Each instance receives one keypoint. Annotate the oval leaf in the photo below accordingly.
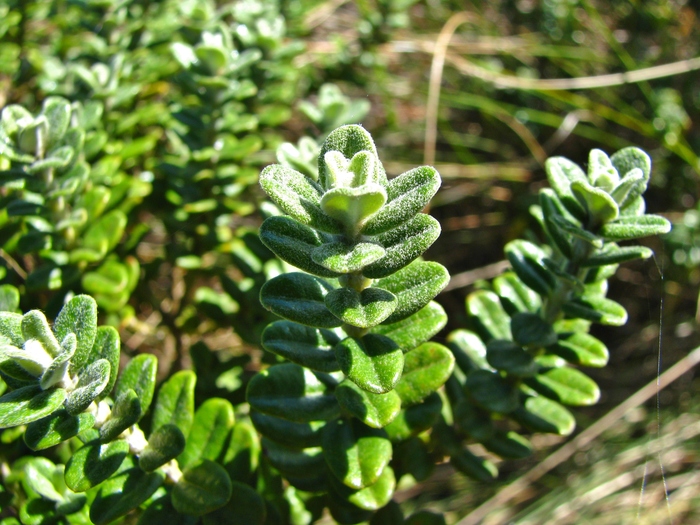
(426, 369)
(566, 385)
(203, 488)
(374, 362)
(93, 463)
(306, 346)
(374, 410)
(300, 298)
(362, 309)
(28, 404)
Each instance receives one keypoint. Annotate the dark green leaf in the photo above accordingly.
(613, 254)
(531, 330)
(27, 404)
(140, 376)
(107, 346)
(246, 507)
(125, 413)
(415, 419)
(473, 421)
(415, 329)
(597, 309)
(374, 410)
(124, 492)
(203, 488)
(541, 414)
(490, 391)
(78, 316)
(514, 295)
(469, 350)
(342, 258)
(374, 362)
(91, 383)
(306, 346)
(306, 463)
(56, 428)
(580, 348)
(510, 357)
(164, 444)
(487, 313)
(528, 263)
(509, 445)
(629, 227)
(284, 432)
(93, 463)
(372, 497)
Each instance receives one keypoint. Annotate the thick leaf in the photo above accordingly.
(541, 414)
(509, 445)
(566, 385)
(528, 263)
(202, 489)
(407, 195)
(293, 393)
(56, 428)
(613, 254)
(627, 159)
(561, 172)
(510, 357)
(284, 432)
(11, 328)
(487, 313)
(28, 404)
(352, 207)
(597, 309)
(462, 458)
(601, 172)
(212, 425)
(300, 298)
(91, 383)
(363, 309)
(298, 196)
(576, 231)
(341, 258)
(164, 444)
(403, 245)
(306, 346)
(349, 141)
(426, 369)
(294, 242)
(414, 286)
(469, 350)
(473, 421)
(125, 413)
(107, 346)
(374, 410)
(78, 316)
(580, 348)
(175, 402)
(140, 376)
(355, 453)
(415, 329)
(246, 506)
(123, 493)
(551, 209)
(93, 463)
(490, 391)
(627, 228)
(56, 372)
(531, 330)
(415, 419)
(373, 497)
(242, 456)
(306, 463)
(514, 295)
(373, 362)
(630, 188)
(35, 326)
(599, 204)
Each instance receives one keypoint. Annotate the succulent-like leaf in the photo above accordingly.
(341, 258)
(93, 463)
(175, 402)
(469, 350)
(541, 414)
(212, 425)
(293, 393)
(352, 207)
(373, 362)
(202, 489)
(56, 428)
(613, 254)
(596, 309)
(122, 493)
(372, 497)
(306, 346)
(566, 385)
(580, 348)
(601, 207)
(473, 421)
(425, 370)
(628, 228)
(415, 329)
(139, 375)
(245, 506)
(27, 404)
(490, 391)
(528, 263)
(300, 298)
(355, 453)
(415, 419)
(294, 463)
(514, 295)
(363, 309)
(125, 413)
(164, 444)
(531, 330)
(491, 320)
(509, 445)
(78, 316)
(11, 328)
(510, 357)
(285, 432)
(374, 410)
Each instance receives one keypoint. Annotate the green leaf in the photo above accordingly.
(541, 414)
(629, 227)
(511, 358)
(349, 141)
(91, 383)
(306, 346)
(372, 497)
(403, 245)
(122, 493)
(426, 369)
(27, 404)
(566, 385)
(293, 243)
(110, 278)
(212, 425)
(514, 295)
(561, 173)
(363, 309)
(293, 393)
(300, 298)
(597, 309)
(582, 349)
(78, 316)
(107, 346)
(630, 158)
(613, 254)
(125, 413)
(104, 234)
(56, 428)
(391, 514)
(469, 350)
(35, 326)
(531, 330)
(93, 463)
(298, 196)
(373, 362)
(508, 445)
(57, 111)
(601, 172)
(342, 258)
(175, 402)
(288, 433)
(414, 286)
(630, 188)
(245, 507)
(473, 466)
(599, 204)
(140, 376)
(528, 263)
(374, 410)
(407, 195)
(242, 455)
(294, 463)
(426, 517)
(352, 207)
(55, 373)
(473, 421)
(203, 488)
(576, 231)
(9, 298)
(415, 419)
(551, 209)
(487, 313)
(11, 328)
(415, 329)
(164, 444)
(490, 391)
(355, 453)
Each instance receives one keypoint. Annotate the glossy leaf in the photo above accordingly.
(300, 298)
(566, 385)
(415, 419)
(469, 350)
(306, 346)
(355, 453)
(175, 402)
(202, 489)
(414, 286)
(293, 393)
(306, 463)
(415, 329)
(27, 404)
(596, 309)
(372, 497)
(514, 295)
(122, 493)
(93, 463)
(580, 348)
(426, 369)
(211, 427)
(56, 428)
(541, 414)
(374, 362)
(487, 313)
(374, 410)
(528, 263)
(362, 309)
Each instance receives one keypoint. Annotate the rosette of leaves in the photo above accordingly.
(529, 337)
(356, 321)
(59, 212)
